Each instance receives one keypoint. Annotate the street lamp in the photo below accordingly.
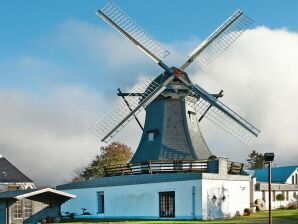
(269, 157)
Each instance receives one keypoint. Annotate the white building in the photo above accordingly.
(284, 181)
(161, 195)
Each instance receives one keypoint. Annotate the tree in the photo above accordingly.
(256, 160)
(112, 154)
(77, 174)
(280, 198)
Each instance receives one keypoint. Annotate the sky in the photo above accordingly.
(60, 66)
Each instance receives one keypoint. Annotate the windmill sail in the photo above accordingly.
(221, 115)
(114, 16)
(223, 37)
(203, 103)
(118, 117)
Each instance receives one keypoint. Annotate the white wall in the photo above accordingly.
(237, 195)
(137, 201)
(142, 201)
(293, 196)
(289, 180)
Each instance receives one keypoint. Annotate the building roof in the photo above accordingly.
(15, 193)
(279, 174)
(148, 179)
(19, 194)
(130, 180)
(10, 174)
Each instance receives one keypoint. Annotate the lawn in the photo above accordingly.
(279, 217)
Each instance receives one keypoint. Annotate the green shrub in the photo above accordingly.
(280, 197)
(246, 212)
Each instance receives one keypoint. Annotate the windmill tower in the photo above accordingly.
(174, 105)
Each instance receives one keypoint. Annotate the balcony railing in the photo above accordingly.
(176, 166)
(150, 167)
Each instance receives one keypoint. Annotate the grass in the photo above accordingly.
(279, 217)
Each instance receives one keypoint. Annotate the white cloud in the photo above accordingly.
(48, 136)
(259, 76)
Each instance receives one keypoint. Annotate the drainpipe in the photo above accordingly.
(193, 202)
(6, 212)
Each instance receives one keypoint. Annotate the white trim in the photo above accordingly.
(45, 190)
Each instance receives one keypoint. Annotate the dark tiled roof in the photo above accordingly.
(12, 194)
(131, 180)
(10, 174)
(279, 174)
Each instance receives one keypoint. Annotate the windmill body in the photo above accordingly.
(171, 130)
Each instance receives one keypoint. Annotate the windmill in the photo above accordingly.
(174, 105)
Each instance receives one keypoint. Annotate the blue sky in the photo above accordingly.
(60, 66)
(26, 25)
(22, 21)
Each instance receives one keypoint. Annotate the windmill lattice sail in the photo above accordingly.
(224, 117)
(223, 37)
(121, 114)
(199, 99)
(114, 16)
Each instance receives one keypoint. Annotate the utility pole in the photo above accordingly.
(269, 190)
(269, 157)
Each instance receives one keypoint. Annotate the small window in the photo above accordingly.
(17, 210)
(293, 179)
(150, 136)
(167, 204)
(273, 196)
(27, 208)
(296, 178)
(287, 195)
(100, 202)
(264, 196)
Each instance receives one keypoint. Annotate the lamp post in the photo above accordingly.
(269, 157)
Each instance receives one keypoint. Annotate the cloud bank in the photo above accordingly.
(45, 123)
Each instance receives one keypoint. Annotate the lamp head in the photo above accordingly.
(269, 156)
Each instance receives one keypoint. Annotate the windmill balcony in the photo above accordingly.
(219, 165)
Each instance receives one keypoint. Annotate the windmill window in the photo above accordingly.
(100, 202)
(151, 136)
(152, 133)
